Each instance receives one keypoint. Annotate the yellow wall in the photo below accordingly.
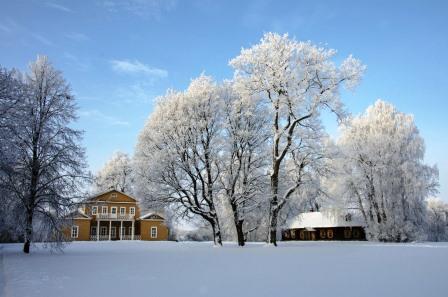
(83, 231)
(120, 200)
(145, 230)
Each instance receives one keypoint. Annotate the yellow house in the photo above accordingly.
(114, 215)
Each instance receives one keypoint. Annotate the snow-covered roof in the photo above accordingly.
(152, 216)
(325, 219)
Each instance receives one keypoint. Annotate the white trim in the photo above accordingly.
(107, 201)
(76, 233)
(132, 211)
(124, 212)
(104, 208)
(150, 232)
(91, 230)
(94, 210)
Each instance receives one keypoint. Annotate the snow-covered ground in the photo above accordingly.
(198, 269)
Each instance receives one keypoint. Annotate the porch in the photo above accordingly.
(102, 230)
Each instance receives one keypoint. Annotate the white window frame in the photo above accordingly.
(151, 232)
(74, 233)
(104, 208)
(113, 195)
(132, 210)
(122, 210)
(94, 210)
(112, 210)
(101, 230)
(92, 232)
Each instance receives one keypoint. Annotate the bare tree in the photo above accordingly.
(47, 170)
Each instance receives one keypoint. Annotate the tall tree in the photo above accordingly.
(178, 152)
(297, 80)
(383, 173)
(12, 94)
(48, 167)
(245, 136)
(117, 174)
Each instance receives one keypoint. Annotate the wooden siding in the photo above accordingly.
(334, 233)
(83, 231)
(145, 229)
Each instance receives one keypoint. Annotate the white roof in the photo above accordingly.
(324, 219)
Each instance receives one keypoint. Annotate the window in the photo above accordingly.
(330, 234)
(347, 233)
(123, 231)
(103, 230)
(113, 195)
(113, 210)
(104, 210)
(94, 210)
(293, 234)
(132, 210)
(322, 233)
(153, 232)
(130, 230)
(302, 234)
(122, 210)
(75, 231)
(93, 231)
(113, 232)
(356, 233)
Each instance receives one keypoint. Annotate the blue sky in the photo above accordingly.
(118, 55)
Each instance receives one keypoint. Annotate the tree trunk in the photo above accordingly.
(239, 232)
(238, 223)
(273, 213)
(217, 239)
(28, 233)
(273, 217)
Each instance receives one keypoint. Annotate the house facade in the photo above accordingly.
(331, 224)
(114, 215)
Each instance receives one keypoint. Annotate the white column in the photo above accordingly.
(97, 230)
(132, 233)
(121, 229)
(110, 228)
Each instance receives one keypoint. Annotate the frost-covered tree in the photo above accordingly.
(47, 169)
(12, 94)
(245, 134)
(437, 220)
(178, 152)
(117, 174)
(383, 174)
(297, 80)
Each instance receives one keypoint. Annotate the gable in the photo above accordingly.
(113, 196)
(152, 216)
